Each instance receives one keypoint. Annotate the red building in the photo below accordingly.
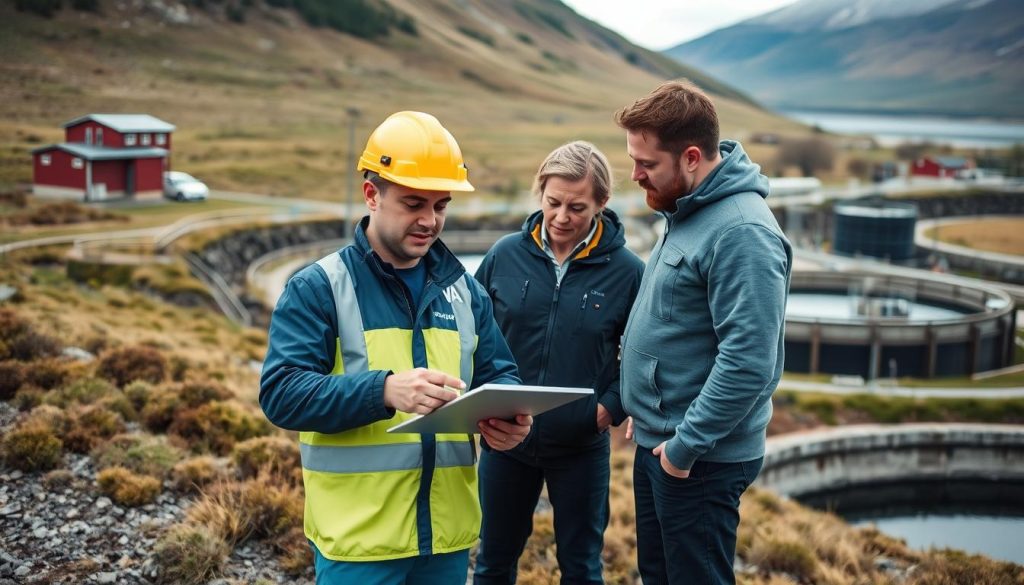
(943, 167)
(105, 156)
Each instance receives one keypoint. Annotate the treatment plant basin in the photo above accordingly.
(888, 326)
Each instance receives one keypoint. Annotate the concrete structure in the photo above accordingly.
(801, 465)
(993, 265)
(105, 156)
(979, 339)
(880, 229)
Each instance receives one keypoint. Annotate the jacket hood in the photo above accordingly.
(735, 174)
(612, 233)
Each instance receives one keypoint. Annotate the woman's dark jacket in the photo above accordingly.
(565, 334)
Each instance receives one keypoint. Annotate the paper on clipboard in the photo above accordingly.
(490, 401)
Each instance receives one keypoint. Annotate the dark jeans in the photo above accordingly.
(509, 490)
(686, 528)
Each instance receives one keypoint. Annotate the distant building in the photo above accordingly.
(942, 167)
(105, 156)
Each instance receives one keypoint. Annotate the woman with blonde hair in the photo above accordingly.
(562, 291)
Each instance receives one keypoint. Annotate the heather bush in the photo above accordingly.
(216, 427)
(48, 373)
(58, 479)
(159, 411)
(275, 455)
(127, 488)
(189, 555)
(195, 393)
(257, 508)
(783, 555)
(27, 397)
(12, 376)
(20, 341)
(49, 416)
(127, 364)
(32, 447)
(90, 425)
(139, 453)
(194, 474)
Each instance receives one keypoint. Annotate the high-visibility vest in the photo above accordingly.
(371, 495)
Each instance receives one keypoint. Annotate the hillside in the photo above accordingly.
(129, 429)
(958, 58)
(260, 96)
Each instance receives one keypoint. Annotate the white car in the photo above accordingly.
(184, 187)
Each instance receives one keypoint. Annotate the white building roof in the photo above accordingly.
(125, 122)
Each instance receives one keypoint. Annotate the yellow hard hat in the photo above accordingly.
(413, 149)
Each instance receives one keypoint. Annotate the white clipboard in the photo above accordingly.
(505, 401)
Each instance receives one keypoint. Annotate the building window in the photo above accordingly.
(99, 137)
(76, 163)
(145, 139)
(161, 139)
(44, 159)
(129, 140)
(88, 135)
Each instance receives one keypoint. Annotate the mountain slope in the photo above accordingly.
(261, 104)
(965, 57)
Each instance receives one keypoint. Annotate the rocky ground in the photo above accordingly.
(62, 530)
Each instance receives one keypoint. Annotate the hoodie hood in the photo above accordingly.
(735, 174)
(610, 234)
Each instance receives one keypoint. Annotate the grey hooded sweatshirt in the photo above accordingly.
(703, 347)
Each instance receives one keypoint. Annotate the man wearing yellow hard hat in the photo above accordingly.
(388, 327)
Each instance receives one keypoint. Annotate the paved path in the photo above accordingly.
(884, 389)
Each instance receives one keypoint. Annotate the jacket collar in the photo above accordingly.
(443, 268)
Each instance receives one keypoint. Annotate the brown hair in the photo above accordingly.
(573, 162)
(679, 114)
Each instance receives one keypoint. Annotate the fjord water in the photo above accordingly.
(890, 130)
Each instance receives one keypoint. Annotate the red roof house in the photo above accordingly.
(105, 156)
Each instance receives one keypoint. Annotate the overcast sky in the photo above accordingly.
(657, 24)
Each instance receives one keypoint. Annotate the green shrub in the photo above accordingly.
(127, 488)
(80, 391)
(27, 397)
(32, 447)
(119, 403)
(143, 454)
(276, 455)
(128, 364)
(189, 555)
(196, 473)
(216, 427)
(138, 393)
(12, 376)
(89, 426)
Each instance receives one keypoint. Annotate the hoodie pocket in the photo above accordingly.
(663, 283)
(641, 396)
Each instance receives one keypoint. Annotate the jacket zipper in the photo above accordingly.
(522, 298)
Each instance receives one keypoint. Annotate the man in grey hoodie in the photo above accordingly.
(703, 347)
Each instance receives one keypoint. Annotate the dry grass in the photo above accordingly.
(128, 488)
(1003, 235)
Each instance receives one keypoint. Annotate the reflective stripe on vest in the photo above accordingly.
(362, 485)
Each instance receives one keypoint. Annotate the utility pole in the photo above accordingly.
(350, 169)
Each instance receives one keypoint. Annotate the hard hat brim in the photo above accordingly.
(429, 184)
